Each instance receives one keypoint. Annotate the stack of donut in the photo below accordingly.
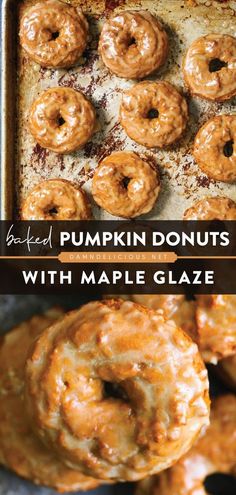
(117, 391)
(113, 391)
(132, 45)
(211, 323)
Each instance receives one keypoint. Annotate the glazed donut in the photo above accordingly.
(215, 208)
(175, 307)
(210, 67)
(215, 452)
(133, 44)
(120, 392)
(226, 369)
(153, 114)
(126, 184)
(54, 34)
(20, 449)
(216, 326)
(56, 199)
(62, 120)
(215, 148)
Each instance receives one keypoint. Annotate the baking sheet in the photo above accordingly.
(24, 163)
(182, 181)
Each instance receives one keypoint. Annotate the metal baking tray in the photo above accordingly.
(24, 163)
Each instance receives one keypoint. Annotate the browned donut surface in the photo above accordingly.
(133, 44)
(126, 184)
(20, 449)
(210, 67)
(62, 120)
(56, 199)
(216, 326)
(175, 307)
(54, 34)
(215, 452)
(215, 148)
(212, 208)
(154, 114)
(120, 392)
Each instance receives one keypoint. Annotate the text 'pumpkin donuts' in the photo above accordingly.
(133, 44)
(215, 148)
(20, 449)
(54, 34)
(62, 120)
(154, 114)
(120, 391)
(126, 184)
(56, 199)
(216, 326)
(215, 452)
(210, 67)
(212, 208)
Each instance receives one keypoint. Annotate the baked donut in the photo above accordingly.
(54, 34)
(226, 369)
(126, 184)
(216, 326)
(175, 307)
(56, 199)
(215, 208)
(215, 452)
(215, 148)
(120, 392)
(133, 44)
(153, 114)
(62, 120)
(20, 449)
(210, 67)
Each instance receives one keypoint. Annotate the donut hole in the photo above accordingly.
(52, 211)
(55, 35)
(131, 41)
(152, 114)
(114, 391)
(228, 148)
(60, 121)
(220, 484)
(216, 64)
(125, 182)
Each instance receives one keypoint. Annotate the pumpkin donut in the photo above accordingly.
(54, 34)
(120, 392)
(215, 148)
(210, 67)
(56, 199)
(126, 184)
(133, 44)
(215, 452)
(175, 307)
(154, 114)
(20, 449)
(216, 326)
(62, 120)
(215, 208)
